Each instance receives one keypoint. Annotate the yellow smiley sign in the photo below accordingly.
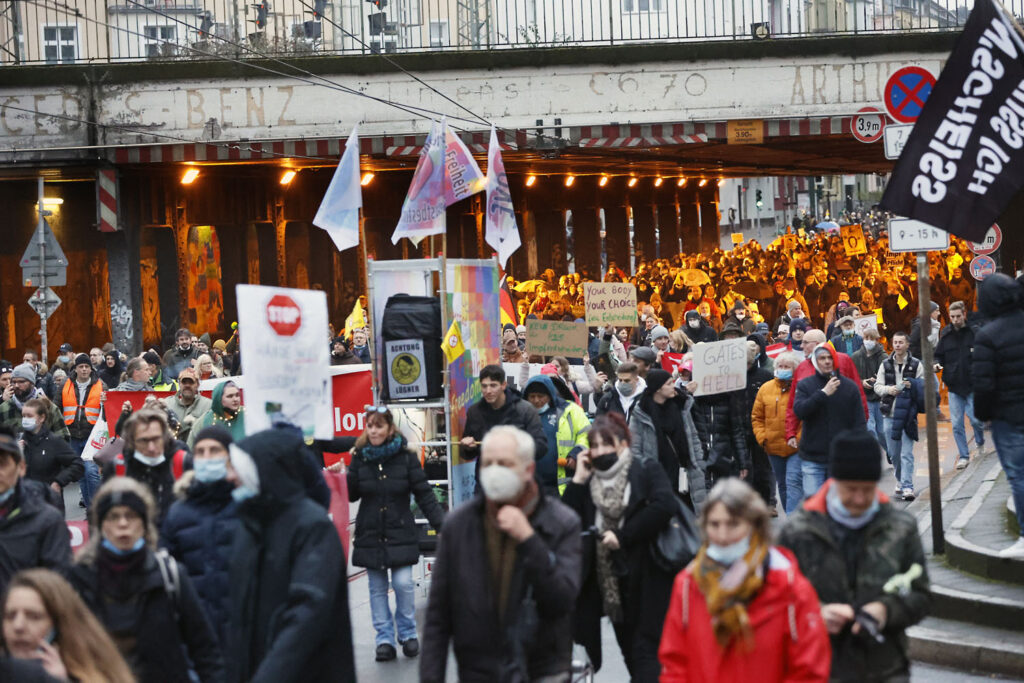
(405, 368)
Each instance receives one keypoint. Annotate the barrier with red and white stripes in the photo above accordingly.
(106, 200)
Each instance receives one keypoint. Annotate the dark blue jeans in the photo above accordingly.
(1009, 441)
(90, 483)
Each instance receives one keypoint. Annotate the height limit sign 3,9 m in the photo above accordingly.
(867, 125)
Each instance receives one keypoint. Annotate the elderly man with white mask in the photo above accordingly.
(507, 574)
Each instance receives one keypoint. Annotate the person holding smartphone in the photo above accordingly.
(45, 621)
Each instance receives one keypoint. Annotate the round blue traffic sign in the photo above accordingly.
(982, 267)
(906, 91)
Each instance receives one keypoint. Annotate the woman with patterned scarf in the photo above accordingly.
(383, 474)
(626, 501)
(742, 610)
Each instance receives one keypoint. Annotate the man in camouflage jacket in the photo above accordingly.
(865, 560)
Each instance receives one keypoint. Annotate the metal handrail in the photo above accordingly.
(90, 31)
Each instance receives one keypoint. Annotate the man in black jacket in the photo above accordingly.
(953, 357)
(289, 618)
(998, 365)
(507, 575)
(500, 406)
(827, 403)
(32, 532)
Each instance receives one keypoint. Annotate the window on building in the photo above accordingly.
(438, 34)
(643, 5)
(60, 44)
(157, 38)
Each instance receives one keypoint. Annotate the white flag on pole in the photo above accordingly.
(502, 231)
(339, 211)
(462, 175)
(423, 211)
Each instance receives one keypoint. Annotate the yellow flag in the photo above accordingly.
(453, 347)
(902, 302)
(355, 320)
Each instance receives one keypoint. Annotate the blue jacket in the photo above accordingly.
(547, 464)
(198, 532)
(847, 346)
(905, 409)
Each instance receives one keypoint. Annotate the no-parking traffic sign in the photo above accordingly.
(906, 92)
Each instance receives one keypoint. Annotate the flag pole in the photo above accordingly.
(930, 407)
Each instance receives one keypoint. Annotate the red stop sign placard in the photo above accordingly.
(284, 315)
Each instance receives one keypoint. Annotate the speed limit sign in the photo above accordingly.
(853, 240)
(867, 125)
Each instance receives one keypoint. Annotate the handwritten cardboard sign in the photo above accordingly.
(720, 367)
(556, 338)
(610, 303)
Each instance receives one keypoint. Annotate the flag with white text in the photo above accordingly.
(462, 175)
(963, 161)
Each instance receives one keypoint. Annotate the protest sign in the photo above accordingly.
(610, 303)
(865, 322)
(284, 358)
(115, 403)
(853, 240)
(719, 367)
(352, 390)
(556, 338)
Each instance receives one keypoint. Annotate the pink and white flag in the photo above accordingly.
(502, 230)
(423, 212)
(462, 175)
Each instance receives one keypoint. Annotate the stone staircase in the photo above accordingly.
(977, 618)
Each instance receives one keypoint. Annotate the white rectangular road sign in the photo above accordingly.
(895, 137)
(907, 234)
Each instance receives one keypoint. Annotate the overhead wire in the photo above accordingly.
(412, 110)
(408, 108)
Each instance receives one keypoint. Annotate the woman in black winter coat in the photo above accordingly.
(201, 526)
(48, 458)
(145, 600)
(383, 474)
(629, 501)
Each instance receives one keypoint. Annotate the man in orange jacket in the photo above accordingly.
(81, 400)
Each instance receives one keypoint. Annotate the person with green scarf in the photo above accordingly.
(227, 412)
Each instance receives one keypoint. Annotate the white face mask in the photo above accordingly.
(727, 554)
(28, 424)
(869, 345)
(151, 462)
(500, 484)
(694, 324)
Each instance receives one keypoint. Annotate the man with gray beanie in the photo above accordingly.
(864, 559)
(22, 388)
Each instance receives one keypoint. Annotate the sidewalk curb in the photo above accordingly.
(935, 646)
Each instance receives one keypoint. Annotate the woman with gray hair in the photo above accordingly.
(142, 596)
(742, 610)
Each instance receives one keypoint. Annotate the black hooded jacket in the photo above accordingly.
(998, 361)
(111, 376)
(704, 333)
(289, 612)
(481, 418)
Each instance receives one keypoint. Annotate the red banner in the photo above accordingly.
(115, 402)
(353, 391)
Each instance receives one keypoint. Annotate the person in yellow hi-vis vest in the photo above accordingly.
(565, 426)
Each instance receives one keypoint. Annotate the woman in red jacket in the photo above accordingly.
(742, 611)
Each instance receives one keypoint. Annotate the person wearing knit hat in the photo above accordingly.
(848, 534)
(80, 400)
(157, 380)
(659, 341)
(121, 576)
(202, 523)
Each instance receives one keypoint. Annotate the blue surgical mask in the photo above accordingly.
(544, 408)
(210, 469)
(849, 333)
(243, 493)
(6, 495)
(28, 424)
(727, 554)
(839, 512)
(123, 553)
(784, 375)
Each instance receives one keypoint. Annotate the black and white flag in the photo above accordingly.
(964, 159)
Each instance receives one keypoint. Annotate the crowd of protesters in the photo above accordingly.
(608, 486)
